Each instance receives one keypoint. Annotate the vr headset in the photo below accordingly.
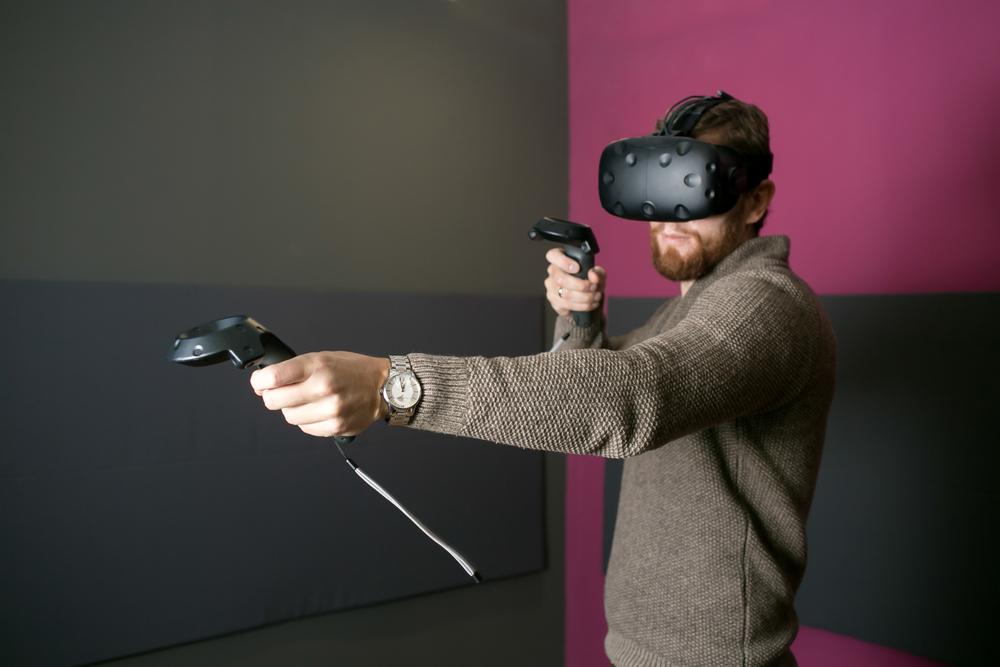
(669, 176)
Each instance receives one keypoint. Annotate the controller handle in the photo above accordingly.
(240, 339)
(578, 242)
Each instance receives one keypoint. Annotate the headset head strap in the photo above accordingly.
(682, 117)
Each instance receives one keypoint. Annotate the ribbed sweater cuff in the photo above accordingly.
(580, 336)
(624, 653)
(445, 402)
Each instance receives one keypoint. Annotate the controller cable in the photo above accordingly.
(559, 342)
(471, 571)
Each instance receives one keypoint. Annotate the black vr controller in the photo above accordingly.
(240, 339)
(578, 242)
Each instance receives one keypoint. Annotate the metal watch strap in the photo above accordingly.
(397, 417)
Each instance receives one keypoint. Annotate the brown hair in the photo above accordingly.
(743, 127)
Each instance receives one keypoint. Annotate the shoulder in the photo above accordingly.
(770, 301)
(758, 269)
(775, 283)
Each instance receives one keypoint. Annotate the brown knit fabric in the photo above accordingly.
(718, 404)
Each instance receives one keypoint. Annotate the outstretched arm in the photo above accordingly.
(742, 349)
(738, 352)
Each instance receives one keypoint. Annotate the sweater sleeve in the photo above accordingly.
(746, 346)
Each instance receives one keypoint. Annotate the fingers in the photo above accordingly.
(287, 372)
(599, 277)
(570, 282)
(566, 269)
(289, 397)
(288, 385)
(567, 293)
(565, 300)
(336, 393)
(315, 412)
(558, 258)
(572, 293)
(331, 416)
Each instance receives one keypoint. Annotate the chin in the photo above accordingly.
(684, 250)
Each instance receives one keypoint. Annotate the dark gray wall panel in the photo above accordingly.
(144, 504)
(516, 621)
(899, 545)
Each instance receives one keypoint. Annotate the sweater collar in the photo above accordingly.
(758, 252)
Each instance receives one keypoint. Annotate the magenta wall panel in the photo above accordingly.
(883, 130)
(882, 125)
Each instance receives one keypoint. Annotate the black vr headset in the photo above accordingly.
(668, 176)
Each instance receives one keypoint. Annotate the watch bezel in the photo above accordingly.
(388, 397)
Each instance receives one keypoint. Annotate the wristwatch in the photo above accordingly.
(401, 391)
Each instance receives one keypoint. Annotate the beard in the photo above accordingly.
(699, 257)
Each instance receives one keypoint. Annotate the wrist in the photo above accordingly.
(382, 412)
(402, 391)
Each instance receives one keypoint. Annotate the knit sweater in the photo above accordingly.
(718, 404)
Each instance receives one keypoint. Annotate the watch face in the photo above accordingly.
(402, 390)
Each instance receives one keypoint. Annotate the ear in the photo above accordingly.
(760, 200)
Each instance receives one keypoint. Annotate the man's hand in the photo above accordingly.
(577, 294)
(325, 393)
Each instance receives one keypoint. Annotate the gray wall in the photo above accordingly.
(144, 504)
(368, 146)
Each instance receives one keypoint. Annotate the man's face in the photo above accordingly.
(688, 250)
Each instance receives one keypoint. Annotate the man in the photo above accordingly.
(718, 405)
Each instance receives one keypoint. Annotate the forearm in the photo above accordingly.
(564, 402)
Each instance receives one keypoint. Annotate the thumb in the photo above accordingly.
(289, 371)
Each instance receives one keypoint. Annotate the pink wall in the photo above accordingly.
(885, 134)
(884, 127)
